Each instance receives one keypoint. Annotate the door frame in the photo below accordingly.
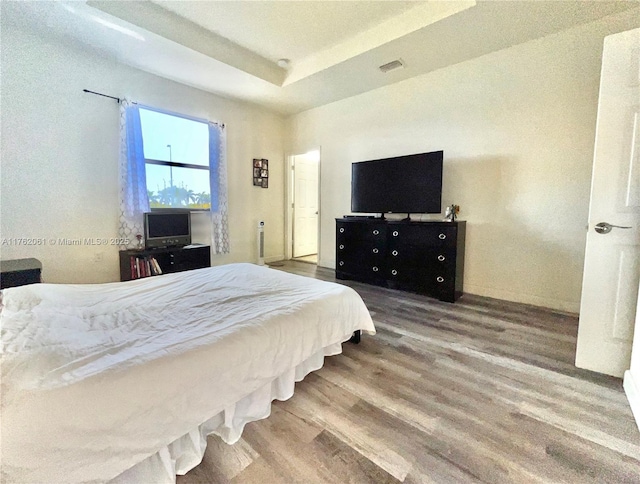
(289, 193)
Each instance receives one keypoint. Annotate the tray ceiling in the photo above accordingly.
(335, 48)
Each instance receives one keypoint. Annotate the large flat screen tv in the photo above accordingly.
(167, 229)
(403, 184)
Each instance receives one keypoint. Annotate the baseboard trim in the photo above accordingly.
(632, 389)
(557, 304)
(273, 258)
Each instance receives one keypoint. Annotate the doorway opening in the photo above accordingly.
(304, 203)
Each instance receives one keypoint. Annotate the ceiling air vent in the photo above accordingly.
(391, 66)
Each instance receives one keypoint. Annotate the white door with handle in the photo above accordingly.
(305, 204)
(612, 258)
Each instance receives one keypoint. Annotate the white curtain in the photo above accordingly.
(134, 199)
(218, 181)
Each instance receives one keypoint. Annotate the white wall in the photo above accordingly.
(60, 155)
(517, 128)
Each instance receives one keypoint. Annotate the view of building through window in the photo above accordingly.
(176, 151)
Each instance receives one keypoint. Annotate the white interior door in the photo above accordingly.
(305, 205)
(612, 258)
(632, 375)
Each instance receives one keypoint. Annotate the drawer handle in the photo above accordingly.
(375, 251)
(341, 229)
(341, 262)
(395, 233)
(394, 272)
(341, 246)
(440, 279)
(442, 236)
(440, 257)
(376, 232)
(375, 269)
(394, 253)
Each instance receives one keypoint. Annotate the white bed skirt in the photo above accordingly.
(186, 452)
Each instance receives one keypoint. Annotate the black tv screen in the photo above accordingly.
(166, 229)
(403, 184)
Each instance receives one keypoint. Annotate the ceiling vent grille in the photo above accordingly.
(391, 66)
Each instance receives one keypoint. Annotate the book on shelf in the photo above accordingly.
(144, 267)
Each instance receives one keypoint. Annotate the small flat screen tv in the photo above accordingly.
(167, 229)
(403, 184)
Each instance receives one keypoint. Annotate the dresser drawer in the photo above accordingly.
(367, 232)
(422, 236)
(366, 250)
(374, 269)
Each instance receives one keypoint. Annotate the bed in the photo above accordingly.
(123, 381)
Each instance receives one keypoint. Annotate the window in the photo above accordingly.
(186, 162)
(176, 152)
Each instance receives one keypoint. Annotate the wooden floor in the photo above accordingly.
(477, 391)
(313, 258)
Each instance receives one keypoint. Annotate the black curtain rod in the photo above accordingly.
(118, 99)
(104, 95)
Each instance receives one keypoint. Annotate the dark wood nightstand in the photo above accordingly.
(168, 259)
(19, 272)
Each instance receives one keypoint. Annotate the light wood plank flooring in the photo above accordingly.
(477, 391)
(313, 258)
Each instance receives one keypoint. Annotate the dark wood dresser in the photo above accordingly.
(424, 257)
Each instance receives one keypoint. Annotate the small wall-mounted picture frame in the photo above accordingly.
(261, 172)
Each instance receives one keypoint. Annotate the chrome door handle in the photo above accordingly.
(605, 228)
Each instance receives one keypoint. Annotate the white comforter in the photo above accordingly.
(96, 378)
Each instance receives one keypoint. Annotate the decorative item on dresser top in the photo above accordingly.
(451, 213)
(19, 272)
(425, 257)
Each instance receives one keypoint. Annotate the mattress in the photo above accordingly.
(125, 380)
